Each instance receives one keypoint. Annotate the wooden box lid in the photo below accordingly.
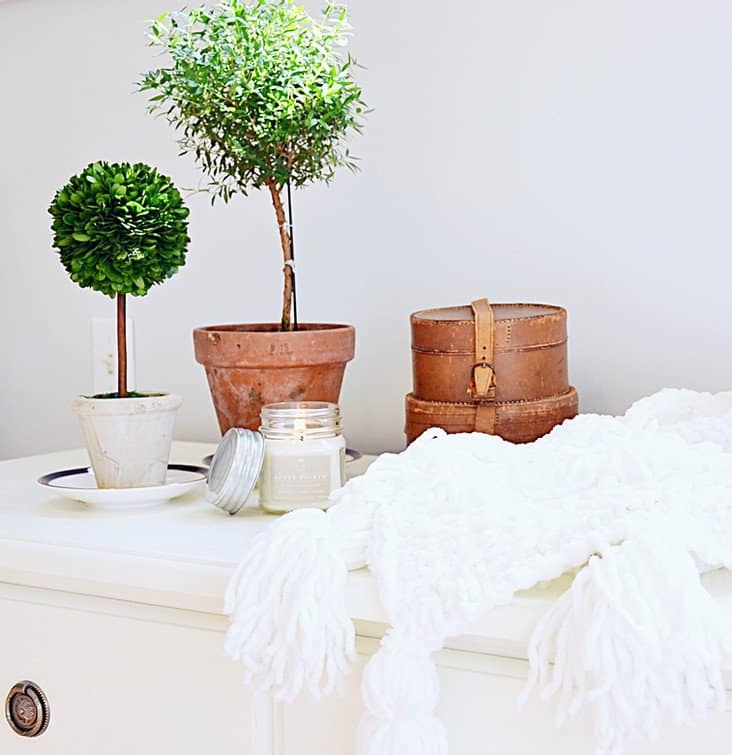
(451, 329)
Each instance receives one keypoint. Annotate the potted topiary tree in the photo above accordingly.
(120, 229)
(263, 97)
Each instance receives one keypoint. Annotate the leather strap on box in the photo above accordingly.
(483, 388)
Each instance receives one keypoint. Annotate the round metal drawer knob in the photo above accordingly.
(26, 709)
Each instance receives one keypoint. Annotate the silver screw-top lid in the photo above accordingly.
(235, 469)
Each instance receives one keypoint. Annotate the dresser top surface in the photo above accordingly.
(188, 527)
(181, 554)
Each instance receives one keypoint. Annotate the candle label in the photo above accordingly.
(298, 479)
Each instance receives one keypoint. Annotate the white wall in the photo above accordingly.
(577, 152)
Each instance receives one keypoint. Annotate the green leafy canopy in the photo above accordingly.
(120, 228)
(261, 93)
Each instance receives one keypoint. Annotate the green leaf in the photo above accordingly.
(258, 92)
(110, 247)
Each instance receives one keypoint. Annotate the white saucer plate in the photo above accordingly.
(80, 485)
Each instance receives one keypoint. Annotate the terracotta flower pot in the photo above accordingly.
(251, 365)
(128, 439)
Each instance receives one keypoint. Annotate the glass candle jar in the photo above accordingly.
(304, 455)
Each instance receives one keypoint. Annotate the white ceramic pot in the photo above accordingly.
(128, 439)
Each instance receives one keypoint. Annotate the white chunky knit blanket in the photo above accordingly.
(640, 505)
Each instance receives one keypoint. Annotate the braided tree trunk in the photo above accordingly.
(288, 267)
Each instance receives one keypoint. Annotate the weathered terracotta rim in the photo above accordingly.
(273, 328)
(262, 345)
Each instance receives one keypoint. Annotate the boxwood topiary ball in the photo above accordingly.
(120, 228)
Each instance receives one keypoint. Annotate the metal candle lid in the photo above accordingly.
(235, 469)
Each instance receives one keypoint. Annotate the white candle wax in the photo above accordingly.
(301, 472)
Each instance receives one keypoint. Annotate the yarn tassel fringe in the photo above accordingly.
(400, 691)
(289, 624)
(637, 635)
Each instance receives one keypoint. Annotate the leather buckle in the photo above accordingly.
(482, 382)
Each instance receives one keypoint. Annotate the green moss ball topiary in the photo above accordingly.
(120, 228)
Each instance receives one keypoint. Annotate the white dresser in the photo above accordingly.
(117, 617)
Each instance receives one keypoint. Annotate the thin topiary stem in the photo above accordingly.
(291, 227)
(287, 269)
(121, 346)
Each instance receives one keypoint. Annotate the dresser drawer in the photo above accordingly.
(128, 679)
(478, 705)
(120, 685)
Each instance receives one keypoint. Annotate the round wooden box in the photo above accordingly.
(529, 352)
(523, 349)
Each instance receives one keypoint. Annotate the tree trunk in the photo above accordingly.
(288, 268)
(121, 346)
